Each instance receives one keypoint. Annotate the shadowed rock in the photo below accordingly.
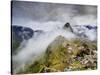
(20, 34)
(68, 27)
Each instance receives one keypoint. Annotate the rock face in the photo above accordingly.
(65, 55)
(68, 27)
(19, 34)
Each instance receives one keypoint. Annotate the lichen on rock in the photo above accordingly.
(66, 55)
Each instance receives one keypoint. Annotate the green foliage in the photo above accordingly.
(15, 45)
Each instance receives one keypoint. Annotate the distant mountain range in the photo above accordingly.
(86, 31)
(90, 27)
(20, 33)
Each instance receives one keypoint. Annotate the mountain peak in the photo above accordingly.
(68, 27)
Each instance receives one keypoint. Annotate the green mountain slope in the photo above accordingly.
(65, 55)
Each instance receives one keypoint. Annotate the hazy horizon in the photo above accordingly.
(27, 13)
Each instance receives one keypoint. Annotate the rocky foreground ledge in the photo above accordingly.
(65, 55)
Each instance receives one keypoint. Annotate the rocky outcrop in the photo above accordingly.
(65, 55)
(68, 27)
(20, 33)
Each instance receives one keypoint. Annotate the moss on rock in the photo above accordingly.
(64, 55)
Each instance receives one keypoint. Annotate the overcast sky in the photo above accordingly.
(23, 12)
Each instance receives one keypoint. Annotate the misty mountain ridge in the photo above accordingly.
(65, 55)
(25, 33)
(34, 38)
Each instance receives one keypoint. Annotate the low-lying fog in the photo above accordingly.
(50, 18)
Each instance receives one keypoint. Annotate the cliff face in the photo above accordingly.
(65, 55)
(68, 27)
(20, 33)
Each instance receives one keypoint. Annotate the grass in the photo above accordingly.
(57, 56)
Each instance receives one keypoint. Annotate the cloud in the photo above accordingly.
(35, 11)
(49, 17)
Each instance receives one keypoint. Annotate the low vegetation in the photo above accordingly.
(65, 55)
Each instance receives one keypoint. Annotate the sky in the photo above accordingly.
(25, 12)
